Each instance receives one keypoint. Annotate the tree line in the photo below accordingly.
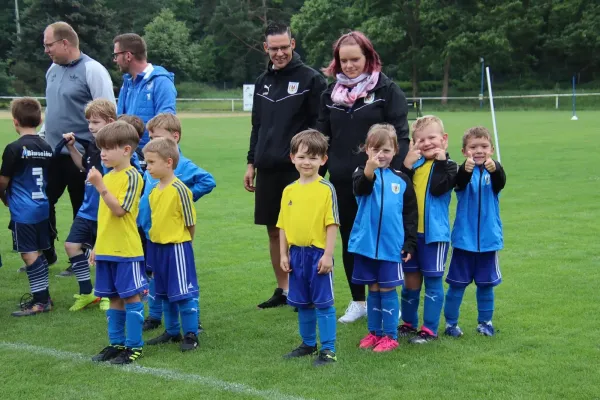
(429, 46)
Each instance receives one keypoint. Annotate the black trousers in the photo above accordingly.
(347, 208)
(63, 174)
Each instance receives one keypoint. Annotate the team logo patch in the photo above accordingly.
(148, 96)
(395, 188)
(486, 178)
(293, 87)
(149, 86)
(370, 98)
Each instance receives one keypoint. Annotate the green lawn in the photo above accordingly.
(547, 309)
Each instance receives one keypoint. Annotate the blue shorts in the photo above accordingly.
(174, 270)
(83, 231)
(428, 259)
(367, 271)
(307, 286)
(468, 266)
(122, 279)
(29, 238)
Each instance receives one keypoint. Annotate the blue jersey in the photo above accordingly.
(26, 161)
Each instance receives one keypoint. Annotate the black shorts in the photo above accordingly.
(29, 238)
(267, 196)
(83, 231)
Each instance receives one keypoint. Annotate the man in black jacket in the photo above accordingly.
(286, 101)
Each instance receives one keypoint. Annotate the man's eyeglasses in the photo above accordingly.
(115, 55)
(275, 50)
(48, 45)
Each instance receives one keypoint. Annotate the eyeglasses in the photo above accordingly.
(48, 45)
(275, 50)
(115, 55)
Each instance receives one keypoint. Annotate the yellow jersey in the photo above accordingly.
(420, 181)
(118, 238)
(172, 212)
(306, 212)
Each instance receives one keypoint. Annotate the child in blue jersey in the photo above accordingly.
(383, 236)
(23, 182)
(139, 126)
(169, 251)
(433, 175)
(99, 113)
(477, 232)
(308, 223)
(195, 178)
(118, 251)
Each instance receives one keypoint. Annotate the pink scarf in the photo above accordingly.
(346, 91)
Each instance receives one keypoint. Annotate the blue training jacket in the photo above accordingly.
(477, 226)
(195, 178)
(437, 197)
(151, 93)
(386, 222)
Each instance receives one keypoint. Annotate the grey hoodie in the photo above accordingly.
(68, 89)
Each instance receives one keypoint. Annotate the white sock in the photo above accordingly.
(285, 292)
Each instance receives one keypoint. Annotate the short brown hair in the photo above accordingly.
(165, 148)
(134, 121)
(315, 142)
(477, 132)
(425, 121)
(117, 134)
(166, 121)
(101, 108)
(133, 43)
(63, 31)
(379, 135)
(27, 111)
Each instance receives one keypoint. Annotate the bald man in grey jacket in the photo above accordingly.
(72, 81)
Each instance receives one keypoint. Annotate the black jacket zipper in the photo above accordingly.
(479, 210)
(380, 214)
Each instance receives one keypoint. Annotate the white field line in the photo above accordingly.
(156, 372)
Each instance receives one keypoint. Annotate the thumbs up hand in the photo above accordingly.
(490, 165)
(470, 163)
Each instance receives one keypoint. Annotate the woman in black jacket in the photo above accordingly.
(360, 97)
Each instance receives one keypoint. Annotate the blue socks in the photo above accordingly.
(37, 273)
(171, 313)
(309, 318)
(374, 313)
(116, 326)
(155, 306)
(390, 312)
(327, 328)
(307, 324)
(134, 322)
(410, 306)
(454, 297)
(485, 303)
(188, 310)
(81, 269)
(434, 301)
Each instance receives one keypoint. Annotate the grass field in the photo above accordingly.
(547, 308)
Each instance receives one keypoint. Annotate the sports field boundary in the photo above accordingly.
(161, 373)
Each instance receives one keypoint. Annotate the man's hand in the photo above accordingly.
(70, 138)
(470, 163)
(284, 263)
(490, 165)
(94, 177)
(413, 154)
(325, 265)
(249, 178)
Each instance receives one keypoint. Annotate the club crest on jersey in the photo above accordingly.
(149, 86)
(293, 87)
(370, 98)
(395, 188)
(486, 179)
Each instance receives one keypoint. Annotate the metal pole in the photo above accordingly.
(17, 20)
(489, 82)
(481, 92)
(574, 117)
(557, 102)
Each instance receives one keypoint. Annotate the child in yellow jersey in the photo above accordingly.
(118, 251)
(308, 223)
(434, 177)
(169, 250)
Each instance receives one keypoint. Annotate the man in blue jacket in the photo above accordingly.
(147, 90)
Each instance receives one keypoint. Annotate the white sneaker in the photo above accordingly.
(353, 312)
